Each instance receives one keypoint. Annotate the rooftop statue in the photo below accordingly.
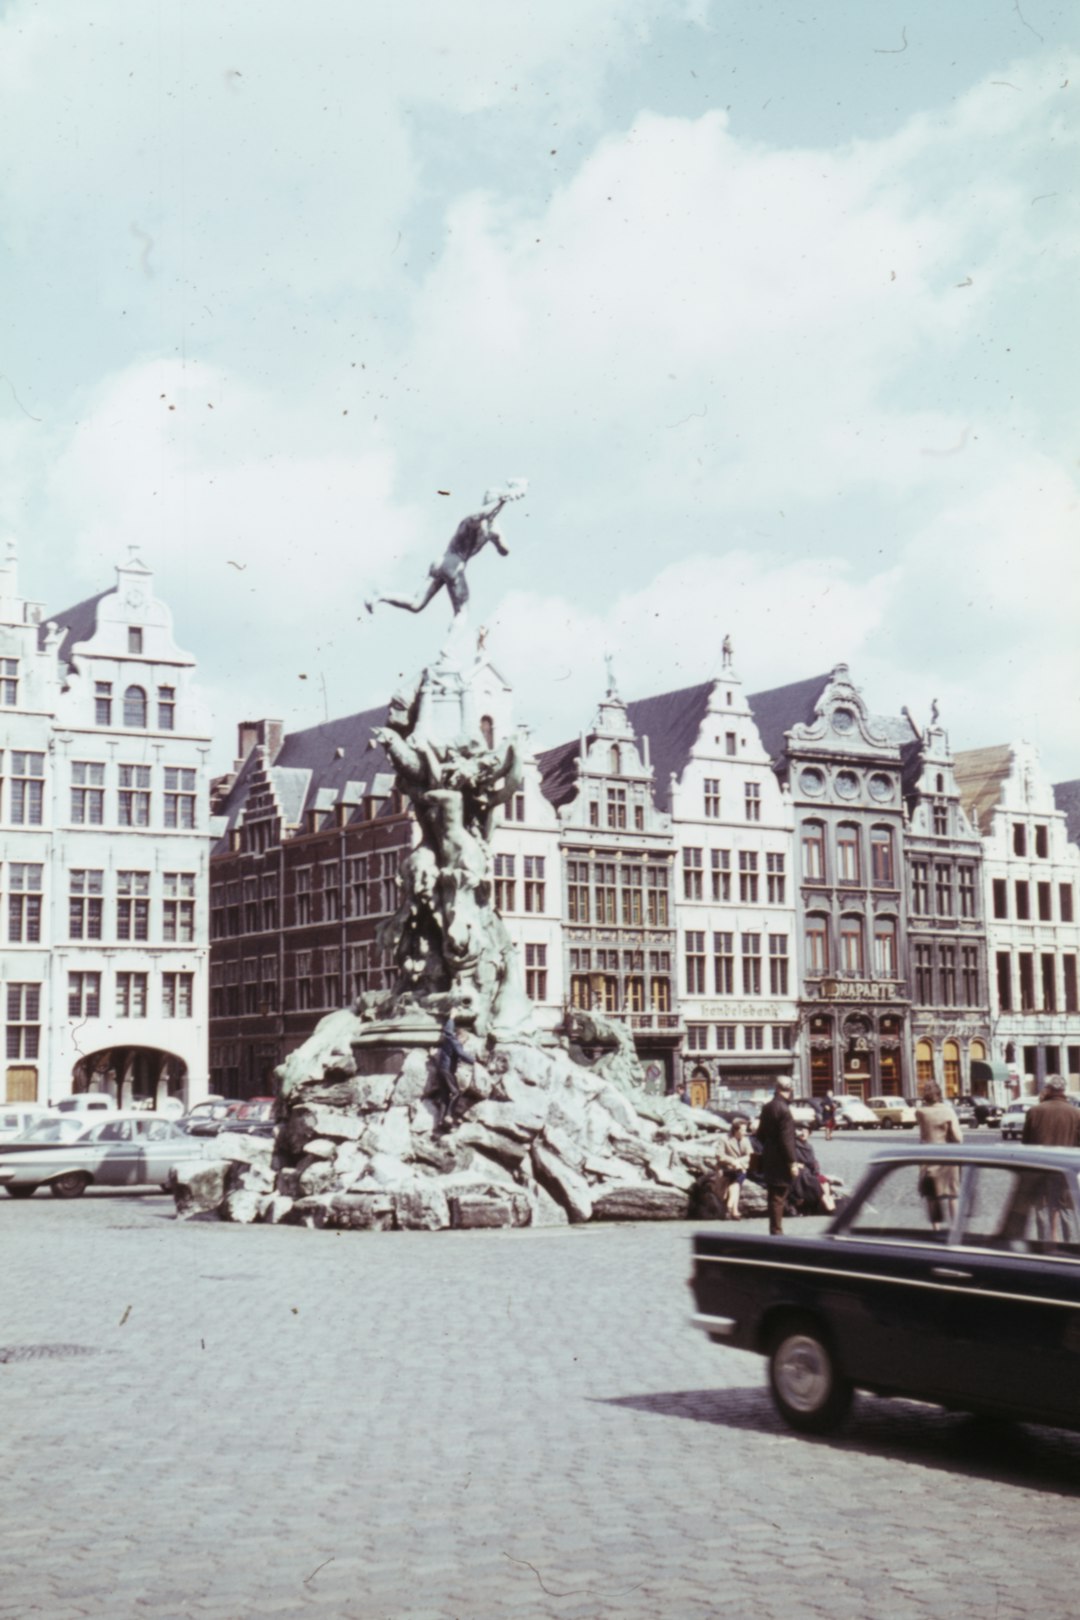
(471, 536)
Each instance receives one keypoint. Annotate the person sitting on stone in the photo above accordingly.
(448, 1054)
(734, 1164)
(811, 1193)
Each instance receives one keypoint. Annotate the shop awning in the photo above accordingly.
(992, 1072)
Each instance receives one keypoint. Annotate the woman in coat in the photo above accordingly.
(734, 1163)
(939, 1184)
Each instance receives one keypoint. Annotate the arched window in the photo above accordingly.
(487, 730)
(951, 1054)
(848, 864)
(813, 852)
(852, 955)
(134, 706)
(882, 866)
(817, 944)
(885, 947)
(977, 1052)
(924, 1062)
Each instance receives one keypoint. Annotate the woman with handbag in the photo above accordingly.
(939, 1184)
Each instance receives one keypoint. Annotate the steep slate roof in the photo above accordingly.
(78, 623)
(980, 773)
(776, 711)
(671, 722)
(1067, 798)
(317, 767)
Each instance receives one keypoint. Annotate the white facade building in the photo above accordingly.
(1032, 885)
(104, 846)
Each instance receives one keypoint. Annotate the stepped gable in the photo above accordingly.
(1067, 799)
(980, 776)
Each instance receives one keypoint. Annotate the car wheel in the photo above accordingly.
(887, 1124)
(808, 1387)
(21, 1192)
(72, 1185)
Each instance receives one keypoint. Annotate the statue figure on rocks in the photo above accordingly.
(471, 536)
(446, 938)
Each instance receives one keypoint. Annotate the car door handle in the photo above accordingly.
(951, 1273)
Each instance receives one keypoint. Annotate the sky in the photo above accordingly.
(774, 305)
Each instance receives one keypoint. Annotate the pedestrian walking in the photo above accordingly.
(938, 1183)
(779, 1163)
(1054, 1121)
(828, 1114)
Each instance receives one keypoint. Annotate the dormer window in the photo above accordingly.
(135, 640)
(135, 707)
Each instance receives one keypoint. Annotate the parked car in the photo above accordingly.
(124, 1150)
(1012, 1120)
(892, 1112)
(254, 1117)
(884, 1302)
(985, 1112)
(964, 1110)
(208, 1116)
(17, 1118)
(47, 1128)
(86, 1102)
(852, 1114)
(805, 1111)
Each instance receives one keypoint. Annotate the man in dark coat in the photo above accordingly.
(1054, 1121)
(779, 1161)
(448, 1054)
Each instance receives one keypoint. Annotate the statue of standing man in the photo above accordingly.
(470, 537)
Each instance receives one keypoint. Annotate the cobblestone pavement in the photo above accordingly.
(464, 1426)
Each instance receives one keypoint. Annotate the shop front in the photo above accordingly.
(855, 1045)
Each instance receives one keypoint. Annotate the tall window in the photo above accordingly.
(135, 640)
(606, 893)
(660, 995)
(941, 820)
(1049, 981)
(751, 964)
(748, 876)
(577, 891)
(656, 896)
(24, 903)
(1026, 963)
(1019, 838)
(9, 682)
(1043, 901)
(1042, 842)
(133, 905)
(969, 974)
(731, 746)
(85, 891)
(177, 995)
(944, 890)
(534, 882)
(966, 876)
(23, 1021)
(1003, 965)
(1068, 968)
(695, 963)
(692, 860)
(847, 854)
(817, 945)
(103, 703)
(616, 808)
(753, 1037)
(135, 707)
(1065, 901)
(920, 887)
(166, 708)
(882, 868)
(724, 964)
(813, 852)
(505, 885)
(179, 796)
(885, 948)
(752, 801)
(851, 945)
(302, 881)
(697, 1037)
(84, 995)
(87, 793)
(924, 975)
(1023, 901)
(178, 908)
(27, 789)
(633, 897)
(725, 1037)
(134, 800)
(775, 879)
(721, 874)
(712, 798)
(948, 975)
(778, 964)
(536, 972)
(131, 995)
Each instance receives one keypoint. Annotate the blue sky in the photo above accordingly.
(774, 304)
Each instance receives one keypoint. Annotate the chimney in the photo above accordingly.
(250, 732)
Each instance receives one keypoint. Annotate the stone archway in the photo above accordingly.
(133, 1076)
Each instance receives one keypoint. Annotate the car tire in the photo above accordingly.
(71, 1185)
(810, 1391)
(887, 1124)
(20, 1192)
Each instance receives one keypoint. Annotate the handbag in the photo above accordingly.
(928, 1187)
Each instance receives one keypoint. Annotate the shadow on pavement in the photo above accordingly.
(1020, 1454)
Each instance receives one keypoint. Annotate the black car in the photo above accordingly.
(883, 1301)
